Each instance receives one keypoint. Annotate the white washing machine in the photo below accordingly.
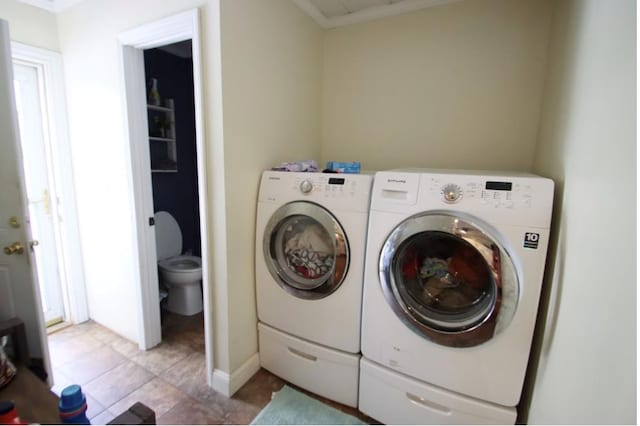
(453, 272)
(310, 244)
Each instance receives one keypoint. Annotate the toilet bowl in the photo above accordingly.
(181, 274)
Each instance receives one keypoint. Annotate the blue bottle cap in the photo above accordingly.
(6, 406)
(71, 398)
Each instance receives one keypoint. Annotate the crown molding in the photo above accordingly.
(368, 14)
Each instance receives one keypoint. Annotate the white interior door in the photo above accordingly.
(18, 294)
(40, 189)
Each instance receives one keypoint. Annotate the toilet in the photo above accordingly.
(181, 274)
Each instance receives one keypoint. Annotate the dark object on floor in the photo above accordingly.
(14, 328)
(137, 414)
(37, 367)
(7, 369)
(33, 400)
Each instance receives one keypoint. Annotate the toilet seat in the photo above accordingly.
(179, 264)
(169, 247)
(168, 236)
(181, 274)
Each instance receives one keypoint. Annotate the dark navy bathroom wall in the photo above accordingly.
(177, 193)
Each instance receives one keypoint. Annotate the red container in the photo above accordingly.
(9, 414)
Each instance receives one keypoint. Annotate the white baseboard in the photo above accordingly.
(227, 384)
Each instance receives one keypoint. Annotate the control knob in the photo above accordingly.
(451, 193)
(306, 186)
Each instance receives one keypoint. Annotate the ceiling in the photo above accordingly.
(327, 13)
(51, 5)
(337, 13)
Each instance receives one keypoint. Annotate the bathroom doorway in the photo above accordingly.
(174, 174)
(173, 29)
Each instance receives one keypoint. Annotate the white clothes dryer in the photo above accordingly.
(310, 242)
(453, 272)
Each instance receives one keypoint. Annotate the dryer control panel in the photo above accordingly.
(327, 186)
(335, 186)
(344, 191)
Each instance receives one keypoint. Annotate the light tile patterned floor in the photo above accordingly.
(170, 378)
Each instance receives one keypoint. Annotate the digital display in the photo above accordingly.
(336, 181)
(498, 186)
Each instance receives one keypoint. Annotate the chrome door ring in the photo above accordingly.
(306, 288)
(504, 298)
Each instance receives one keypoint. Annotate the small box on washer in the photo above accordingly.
(344, 167)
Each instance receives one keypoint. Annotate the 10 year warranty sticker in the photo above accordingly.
(531, 240)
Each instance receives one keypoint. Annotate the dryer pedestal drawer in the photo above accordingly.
(327, 372)
(394, 398)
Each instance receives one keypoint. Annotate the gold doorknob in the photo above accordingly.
(16, 248)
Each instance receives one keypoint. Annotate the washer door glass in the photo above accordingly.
(448, 279)
(306, 250)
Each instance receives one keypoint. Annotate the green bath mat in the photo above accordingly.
(290, 407)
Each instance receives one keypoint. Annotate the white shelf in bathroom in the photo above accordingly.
(164, 146)
(159, 108)
(159, 139)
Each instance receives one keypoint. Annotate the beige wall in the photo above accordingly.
(457, 86)
(30, 25)
(271, 55)
(271, 69)
(88, 41)
(587, 368)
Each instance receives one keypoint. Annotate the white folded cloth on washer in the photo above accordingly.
(299, 166)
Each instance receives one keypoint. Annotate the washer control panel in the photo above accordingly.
(497, 194)
(451, 193)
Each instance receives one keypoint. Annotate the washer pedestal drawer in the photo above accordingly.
(327, 372)
(393, 398)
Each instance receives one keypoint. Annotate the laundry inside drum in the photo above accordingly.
(308, 249)
(443, 279)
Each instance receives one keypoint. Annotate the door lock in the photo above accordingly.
(15, 248)
(13, 222)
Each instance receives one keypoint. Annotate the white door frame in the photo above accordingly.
(180, 27)
(49, 63)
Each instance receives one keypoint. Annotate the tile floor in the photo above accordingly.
(170, 378)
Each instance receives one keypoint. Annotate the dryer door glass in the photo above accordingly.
(306, 250)
(448, 279)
